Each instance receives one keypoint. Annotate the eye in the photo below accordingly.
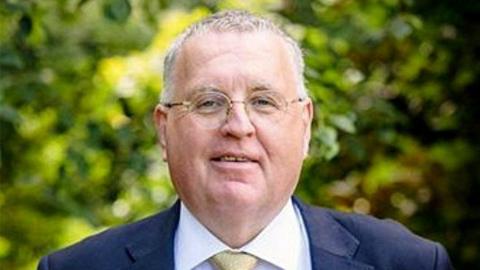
(265, 103)
(209, 103)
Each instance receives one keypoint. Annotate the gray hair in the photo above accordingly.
(230, 21)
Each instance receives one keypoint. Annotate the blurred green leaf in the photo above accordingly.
(25, 26)
(343, 122)
(118, 10)
(10, 59)
(325, 139)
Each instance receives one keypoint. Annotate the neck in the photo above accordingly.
(235, 227)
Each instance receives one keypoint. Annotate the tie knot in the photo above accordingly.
(233, 260)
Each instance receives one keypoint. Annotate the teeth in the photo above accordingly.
(234, 159)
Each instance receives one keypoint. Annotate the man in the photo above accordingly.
(234, 124)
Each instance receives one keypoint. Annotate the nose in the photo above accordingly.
(237, 122)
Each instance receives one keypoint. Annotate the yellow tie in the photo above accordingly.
(231, 260)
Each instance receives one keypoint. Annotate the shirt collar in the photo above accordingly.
(194, 243)
(281, 241)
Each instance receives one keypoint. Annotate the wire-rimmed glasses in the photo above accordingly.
(211, 109)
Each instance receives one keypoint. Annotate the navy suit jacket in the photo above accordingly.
(338, 241)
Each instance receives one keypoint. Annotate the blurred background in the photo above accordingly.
(396, 134)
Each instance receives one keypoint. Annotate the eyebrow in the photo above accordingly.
(256, 87)
(261, 86)
(202, 88)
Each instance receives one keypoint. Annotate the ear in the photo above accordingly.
(160, 119)
(307, 118)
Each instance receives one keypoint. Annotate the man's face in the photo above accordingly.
(199, 158)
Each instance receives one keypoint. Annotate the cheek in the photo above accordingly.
(284, 149)
(286, 143)
(185, 156)
(185, 146)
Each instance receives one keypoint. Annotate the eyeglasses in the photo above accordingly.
(211, 109)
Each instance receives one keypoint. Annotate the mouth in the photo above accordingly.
(238, 166)
(233, 158)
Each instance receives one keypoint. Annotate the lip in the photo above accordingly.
(248, 161)
(236, 156)
(234, 166)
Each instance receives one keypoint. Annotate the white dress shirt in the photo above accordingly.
(283, 244)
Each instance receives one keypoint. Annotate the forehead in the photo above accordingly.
(233, 60)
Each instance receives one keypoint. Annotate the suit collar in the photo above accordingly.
(154, 248)
(331, 245)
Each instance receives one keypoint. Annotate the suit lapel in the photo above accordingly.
(331, 245)
(154, 249)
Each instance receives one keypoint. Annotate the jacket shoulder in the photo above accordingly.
(388, 244)
(107, 249)
(388, 231)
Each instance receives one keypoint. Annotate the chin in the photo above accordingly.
(237, 198)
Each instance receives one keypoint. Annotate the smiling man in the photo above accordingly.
(234, 125)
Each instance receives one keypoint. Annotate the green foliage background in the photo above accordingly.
(396, 134)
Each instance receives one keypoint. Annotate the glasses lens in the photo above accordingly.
(265, 107)
(266, 102)
(210, 109)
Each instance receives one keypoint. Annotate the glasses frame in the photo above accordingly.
(189, 104)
